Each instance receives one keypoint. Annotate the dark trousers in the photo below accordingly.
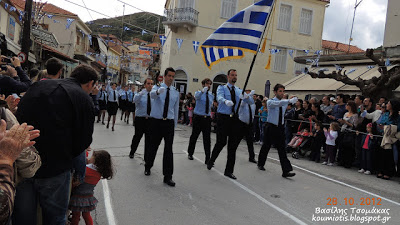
(273, 133)
(246, 131)
(366, 159)
(141, 127)
(162, 129)
(330, 153)
(201, 124)
(385, 161)
(256, 128)
(358, 153)
(227, 128)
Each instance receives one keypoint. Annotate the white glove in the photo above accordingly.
(252, 92)
(228, 103)
(293, 100)
(243, 96)
(161, 90)
(205, 89)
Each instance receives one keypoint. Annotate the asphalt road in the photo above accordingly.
(201, 196)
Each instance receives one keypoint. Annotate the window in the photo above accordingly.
(285, 17)
(78, 40)
(280, 61)
(228, 8)
(298, 68)
(186, 4)
(305, 21)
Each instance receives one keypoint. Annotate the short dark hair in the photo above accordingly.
(84, 74)
(229, 71)
(203, 82)
(277, 86)
(53, 65)
(169, 69)
(33, 73)
(341, 96)
(361, 97)
(145, 81)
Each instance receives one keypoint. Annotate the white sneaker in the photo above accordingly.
(367, 172)
(324, 163)
(361, 171)
(330, 164)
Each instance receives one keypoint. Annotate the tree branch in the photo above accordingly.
(338, 76)
(382, 67)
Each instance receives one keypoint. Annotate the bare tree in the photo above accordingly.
(374, 87)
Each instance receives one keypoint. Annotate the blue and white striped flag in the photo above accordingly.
(387, 63)
(338, 67)
(240, 33)
(274, 51)
(370, 67)
(179, 42)
(351, 71)
(196, 45)
(291, 53)
(306, 51)
(50, 16)
(69, 22)
(127, 28)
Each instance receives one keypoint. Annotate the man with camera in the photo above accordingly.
(13, 79)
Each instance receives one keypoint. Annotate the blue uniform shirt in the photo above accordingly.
(102, 95)
(157, 106)
(110, 93)
(131, 95)
(223, 93)
(244, 113)
(273, 106)
(124, 94)
(141, 104)
(200, 108)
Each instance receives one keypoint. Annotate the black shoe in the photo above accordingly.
(169, 182)
(210, 165)
(190, 157)
(108, 125)
(98, 121)
(103, 123)
(288, 174)
(230, 175)
(252, 160)
(147, 172)
(206, 161)
(261, 168)
(131, 156)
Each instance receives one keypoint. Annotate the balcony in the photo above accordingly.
(181, 17)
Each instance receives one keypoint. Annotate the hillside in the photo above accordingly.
(144, 20)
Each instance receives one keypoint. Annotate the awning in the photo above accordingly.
(16, 49)
(57, 53)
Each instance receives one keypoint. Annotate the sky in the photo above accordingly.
(368, 28)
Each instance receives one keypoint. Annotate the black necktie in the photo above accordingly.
(251, 115)
(148, 104)
(115, 96)
(233, 98)
(166, 104)
(280, 116)
(126, 95)
(207, 103)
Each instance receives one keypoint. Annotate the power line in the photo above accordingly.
(87, 9)
(151, 32)
(137, 8)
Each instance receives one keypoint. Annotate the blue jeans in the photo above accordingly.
(52, 194)
(262, 131)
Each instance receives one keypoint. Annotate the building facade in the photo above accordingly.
(295, 25)
(391, 42)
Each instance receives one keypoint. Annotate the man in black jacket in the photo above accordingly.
(13, 80)
(63, 111)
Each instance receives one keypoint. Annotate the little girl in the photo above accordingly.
(298, 139)
(82, 200)
(367, 144)
(318, 142)
(190, 109)
(331, 134)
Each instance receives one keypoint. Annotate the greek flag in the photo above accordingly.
(196, 45)
(240, 33)
(127, 28)
(50, 16)
(370, 67)
(387, 62)
(163, 39)
(179, 42)
(69, 22)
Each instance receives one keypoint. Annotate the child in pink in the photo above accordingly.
(331, 134)
(190, 109)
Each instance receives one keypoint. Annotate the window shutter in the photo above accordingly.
(280, 61)
(285, 17)
(228, 8)
(305, 21)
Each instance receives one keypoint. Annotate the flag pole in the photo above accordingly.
(255, 55)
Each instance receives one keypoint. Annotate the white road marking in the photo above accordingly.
(265, 201)
(107, 202)
(342, 183)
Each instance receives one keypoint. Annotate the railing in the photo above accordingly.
(189, 15)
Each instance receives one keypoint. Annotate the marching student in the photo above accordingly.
(164, 114)
(228, 123)
(130, 105)
(275, 130)
(202, 119)
(246, 116)
(124, 103)
(112, 103)
(143, 101)
(102, 104)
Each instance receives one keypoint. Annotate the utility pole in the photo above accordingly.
(26, 34)
(352, 25)
(123, 16)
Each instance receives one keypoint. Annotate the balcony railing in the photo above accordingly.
(181, 16)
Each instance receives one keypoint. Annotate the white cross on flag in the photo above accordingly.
(163, 39)
(196, 45)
